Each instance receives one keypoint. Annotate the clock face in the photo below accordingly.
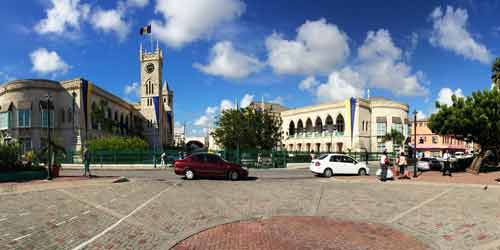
(150, 67)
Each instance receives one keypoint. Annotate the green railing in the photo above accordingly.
(122, 157)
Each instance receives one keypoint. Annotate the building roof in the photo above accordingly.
(269, 106)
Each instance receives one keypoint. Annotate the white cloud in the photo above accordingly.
(227, 62)
(341, 85)
(279, 100)
(226, 105)
(111, 21)
(246, 101)
(380, 63)
(188, 20)
(207, 118)
(308, 84)
(64, 14)
(137, 3)
(318, 48)
(132, 89)
(421, 115)
(445, 94)
(450, 32)
(45, 62)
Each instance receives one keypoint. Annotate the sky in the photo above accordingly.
(296, 53)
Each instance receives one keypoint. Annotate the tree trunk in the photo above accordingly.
(476, 163)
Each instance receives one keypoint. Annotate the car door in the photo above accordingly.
(198, 164)
(214, 165)
(348, 165)
(335, 163)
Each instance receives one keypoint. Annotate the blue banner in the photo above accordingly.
(156, 102)
(353, 114)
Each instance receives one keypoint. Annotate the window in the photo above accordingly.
(434, 139)
(421, 140)
(63, 116)
(380, 147)
(45, 119)
(336, 158)
(24, 118)
(4, 120)
(25, 144)
(70, 116)
(212, 158)
(340, 123)
(199, 157)
(381, 129)
(347, 159)
(398, 127)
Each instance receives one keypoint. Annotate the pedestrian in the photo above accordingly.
(446, 163)
(384, 163)
(312, 155)
(163, 159)
(402, 163)
(86, 162)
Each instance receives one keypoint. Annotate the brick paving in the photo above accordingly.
(158, 210)
(300, 233)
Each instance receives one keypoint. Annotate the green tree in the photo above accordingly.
(117, 143)
(495, 72)
(247, 129)
(476, 118)
(396, 137)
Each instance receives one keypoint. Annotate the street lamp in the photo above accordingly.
(415, 143)
(49, 165)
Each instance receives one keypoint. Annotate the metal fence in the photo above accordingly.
(248, 158)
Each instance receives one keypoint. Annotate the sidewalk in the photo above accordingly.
(60, 182)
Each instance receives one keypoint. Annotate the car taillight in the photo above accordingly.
(317, 164)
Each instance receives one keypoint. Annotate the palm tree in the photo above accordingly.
(495, 73)
(395, 136)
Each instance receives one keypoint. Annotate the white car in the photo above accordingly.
(330, 164)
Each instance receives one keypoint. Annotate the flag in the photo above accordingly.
(156, 103)
(87, 92)
(145, 30)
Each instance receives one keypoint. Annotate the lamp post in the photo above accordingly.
(49, 153)
(415, 143)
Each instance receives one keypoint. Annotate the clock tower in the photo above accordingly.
(152, 100)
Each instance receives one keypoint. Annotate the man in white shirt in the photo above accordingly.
(446, 163)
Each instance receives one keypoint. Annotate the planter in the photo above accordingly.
(18, 176)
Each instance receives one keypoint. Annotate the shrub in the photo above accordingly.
(9, 156)
(117, 143)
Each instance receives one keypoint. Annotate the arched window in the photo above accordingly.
(329, 123)
(309, 125)
(300, 127)
(340, 123)
(116, 116)
(291, 128)
(318, 125)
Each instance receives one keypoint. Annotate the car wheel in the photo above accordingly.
(362, 172)
(328, 173)
(233, 175)
(189, 174)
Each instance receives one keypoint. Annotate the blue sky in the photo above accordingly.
(294, 52)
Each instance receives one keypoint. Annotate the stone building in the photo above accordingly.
(355, 124)
(81, 110)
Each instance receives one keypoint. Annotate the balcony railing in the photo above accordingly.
(316, 135)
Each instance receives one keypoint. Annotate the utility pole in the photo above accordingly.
(415, 140)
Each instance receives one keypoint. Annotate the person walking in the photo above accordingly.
(163, 159)
(446, 163)
(384, 162)
(86, 162)
(402, 163)
(312, 155)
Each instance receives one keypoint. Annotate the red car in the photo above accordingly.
(208, 165)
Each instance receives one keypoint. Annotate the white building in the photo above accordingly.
(356, 125)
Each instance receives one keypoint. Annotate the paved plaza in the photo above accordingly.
(158, 210)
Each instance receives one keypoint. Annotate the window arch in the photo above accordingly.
(339, 123)
(318, 125)
(300, 127)
(70, 115)
(329, 123)
(291, 128)
(309, 125)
